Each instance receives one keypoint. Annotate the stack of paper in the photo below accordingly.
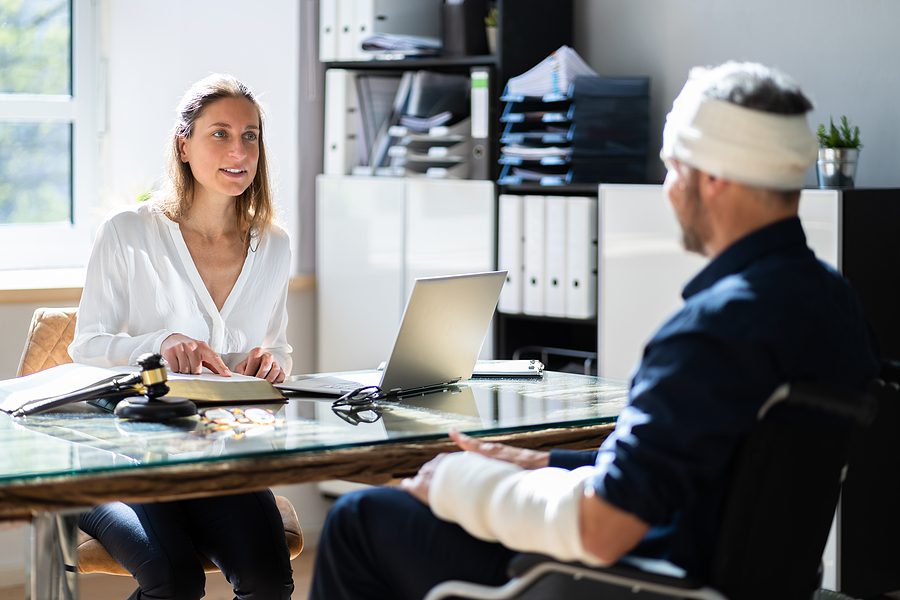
(535, 152)
(553, 75)
(409, 45)
(425, 123)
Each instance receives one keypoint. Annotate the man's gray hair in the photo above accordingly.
(757, 86)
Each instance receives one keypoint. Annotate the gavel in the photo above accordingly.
(139, 396)
(150, 403)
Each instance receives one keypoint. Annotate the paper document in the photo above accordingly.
(508, 368)
(401, 44)
(553, 75)
(534, 152)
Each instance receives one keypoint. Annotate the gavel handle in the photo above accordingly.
(118, 386)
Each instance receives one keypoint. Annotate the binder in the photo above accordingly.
(509, 252)
(375, 93)
(348, 47)
(533, 256)
(581, 257)
(384, 139)
(341, 122)
(328, 30)
(479, 98)
(555, 257)
(363, 27)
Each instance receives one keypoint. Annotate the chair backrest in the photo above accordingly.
(869, 555)
(47, 343)
(781, 500)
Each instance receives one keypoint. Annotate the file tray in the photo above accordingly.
(552, 97)
(539, 160)
(610, 132)
(547, 175)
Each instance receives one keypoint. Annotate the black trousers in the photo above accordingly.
(382, 543)
(159, 545)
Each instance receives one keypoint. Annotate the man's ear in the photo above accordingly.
(710, 186)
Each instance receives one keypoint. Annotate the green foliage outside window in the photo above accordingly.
(35, 155)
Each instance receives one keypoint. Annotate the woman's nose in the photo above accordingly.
(236, 148)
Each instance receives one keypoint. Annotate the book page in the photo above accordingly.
(61, 379)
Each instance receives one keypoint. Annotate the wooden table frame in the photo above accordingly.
(376, 464)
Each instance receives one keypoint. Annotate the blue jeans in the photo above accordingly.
(383, 543)
(160, 545)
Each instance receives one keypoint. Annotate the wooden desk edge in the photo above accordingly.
(369, 464)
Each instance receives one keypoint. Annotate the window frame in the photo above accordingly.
(61, 245)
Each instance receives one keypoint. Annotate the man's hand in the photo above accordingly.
(527, 459)
(187, 355)
(262, 364)
(419, 485)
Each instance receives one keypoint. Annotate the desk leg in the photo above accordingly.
(51, 563)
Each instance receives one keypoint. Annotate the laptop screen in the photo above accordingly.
(442, 330)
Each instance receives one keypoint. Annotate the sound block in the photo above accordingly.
(163, 408)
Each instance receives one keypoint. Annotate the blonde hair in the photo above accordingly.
(253, 209)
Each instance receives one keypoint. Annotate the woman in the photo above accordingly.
(199, 274)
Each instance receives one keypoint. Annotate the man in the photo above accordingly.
(763, 312)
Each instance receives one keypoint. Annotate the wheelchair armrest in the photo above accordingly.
(644, 570)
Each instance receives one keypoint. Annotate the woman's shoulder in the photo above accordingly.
(276, 238)
(135, 216)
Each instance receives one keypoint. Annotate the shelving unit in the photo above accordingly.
(525, 334)
(527, 31)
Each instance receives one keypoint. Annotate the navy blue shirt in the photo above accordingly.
(762, 313)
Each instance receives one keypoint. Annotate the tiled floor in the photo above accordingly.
(109, 587)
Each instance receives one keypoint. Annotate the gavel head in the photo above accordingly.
(153, 375)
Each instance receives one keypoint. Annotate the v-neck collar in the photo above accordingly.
(217, 317)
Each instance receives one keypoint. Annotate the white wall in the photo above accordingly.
(842, 53)
(155, 49)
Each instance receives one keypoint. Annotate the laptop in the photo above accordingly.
(443, 327)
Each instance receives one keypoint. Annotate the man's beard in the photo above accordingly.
(691, 238)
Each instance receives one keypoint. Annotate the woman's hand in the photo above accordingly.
(187, 355)
(527, 459)
(262, 364)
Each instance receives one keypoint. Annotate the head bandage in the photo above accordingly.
(740, 144)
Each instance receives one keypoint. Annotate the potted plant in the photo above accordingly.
(838, 154)
(490, 25)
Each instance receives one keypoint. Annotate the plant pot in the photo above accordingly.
(491, 39)
(836, 167)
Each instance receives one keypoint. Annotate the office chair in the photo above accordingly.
(776, 518)
(869, 512)
(46, 345)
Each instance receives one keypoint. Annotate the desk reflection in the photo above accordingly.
(84, 439)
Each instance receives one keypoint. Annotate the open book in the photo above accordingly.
(70, 378)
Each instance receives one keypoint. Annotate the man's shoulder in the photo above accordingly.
(765, 297)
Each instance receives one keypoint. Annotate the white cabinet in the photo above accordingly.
(643, 266)
(375, 236)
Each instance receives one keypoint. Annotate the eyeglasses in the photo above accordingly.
(360, 397)
(358, 414)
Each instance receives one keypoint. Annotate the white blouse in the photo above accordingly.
(142, 286)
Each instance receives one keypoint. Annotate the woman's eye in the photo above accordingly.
(219, 134)
(250, 136)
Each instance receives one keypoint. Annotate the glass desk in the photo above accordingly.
(79, 457)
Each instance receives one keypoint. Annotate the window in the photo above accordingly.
(48, 134)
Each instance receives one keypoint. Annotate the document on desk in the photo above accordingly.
(206, 388)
